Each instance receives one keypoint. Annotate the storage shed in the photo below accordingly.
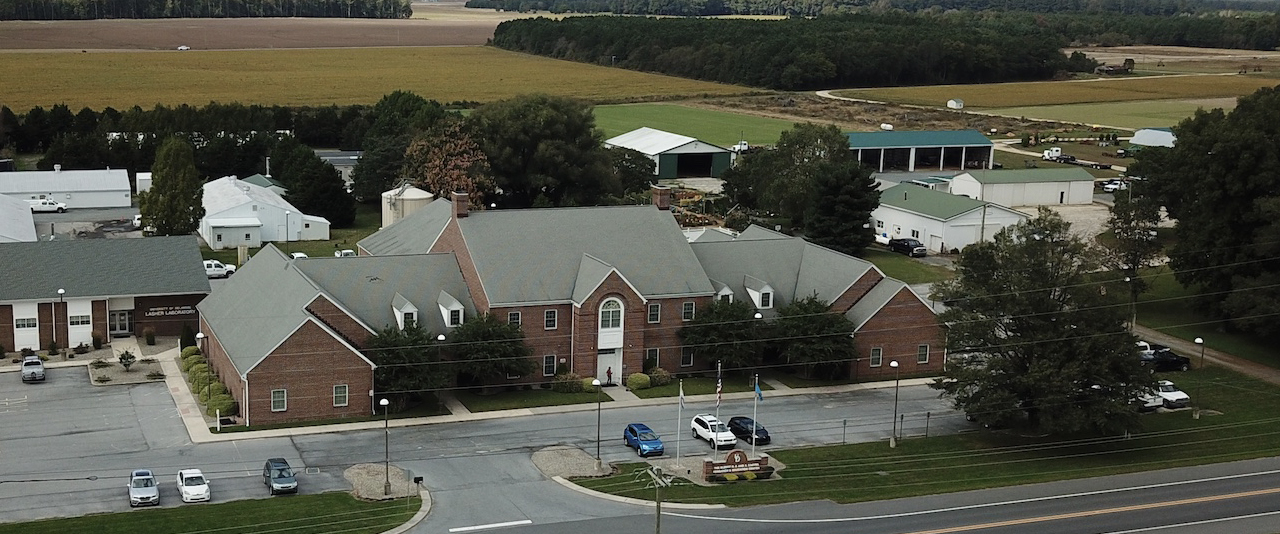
(1026, 187)
(941, 221)
(675, 155)
(96, 188)
(922, 150)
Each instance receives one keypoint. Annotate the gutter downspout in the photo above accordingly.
(246, 400)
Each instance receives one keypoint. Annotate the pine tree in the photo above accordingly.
(174, 205)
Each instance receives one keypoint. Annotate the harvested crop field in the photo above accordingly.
(321, 77)
(1133, 115)
(1004, 95)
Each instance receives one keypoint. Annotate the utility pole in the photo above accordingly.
(659, 481)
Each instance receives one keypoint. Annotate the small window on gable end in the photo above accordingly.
(246, 237)
(306, 225)
(219, 237)
(455, 317)
(513, 318)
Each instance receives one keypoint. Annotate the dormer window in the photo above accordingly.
(407, 319)
(766, 300)
(725, 295)
(450, 310)
(405, 312)
(761, 292)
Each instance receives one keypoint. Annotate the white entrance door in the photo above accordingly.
(609, 366)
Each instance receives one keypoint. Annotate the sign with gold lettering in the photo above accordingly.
(169, 311)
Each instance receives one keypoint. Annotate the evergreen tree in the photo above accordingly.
(409, 363)
(174, 205)
(814, 336)
(840, 215)
(487, 349)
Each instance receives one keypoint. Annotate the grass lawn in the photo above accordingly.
(1134, 114)
(426, 409)
(715, 127)
(908, 270)
(795, 381)
(368, 219)
(1038, 94)
(1170, 308)
(313, 77)
(1246, 427)
(296, 514)
(700, 386)
(524, 398)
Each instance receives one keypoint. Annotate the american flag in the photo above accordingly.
(718, 384)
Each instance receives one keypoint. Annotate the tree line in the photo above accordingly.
(166, 9)
(813, 8)
(886, 49)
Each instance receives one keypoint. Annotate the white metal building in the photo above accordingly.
(240, 213)
(97, 188)
(16, 223)
(675, 155)
(1026, 187)
(942, 221)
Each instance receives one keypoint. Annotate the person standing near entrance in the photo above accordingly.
(608, 375)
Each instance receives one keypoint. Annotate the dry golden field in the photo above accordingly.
(320, 77)
(1003, 95)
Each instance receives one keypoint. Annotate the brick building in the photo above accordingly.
(66, 291)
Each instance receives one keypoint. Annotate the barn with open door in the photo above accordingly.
(675, 155)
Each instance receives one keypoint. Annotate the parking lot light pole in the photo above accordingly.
(200, 343)
(61, 292)
(893, 438)
(386, 443)
(596, 382)
(1195, 414)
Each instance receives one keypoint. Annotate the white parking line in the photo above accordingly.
(491, 525)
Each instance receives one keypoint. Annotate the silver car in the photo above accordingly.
(143, 489)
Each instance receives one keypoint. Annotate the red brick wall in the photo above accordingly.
(665, 335)
(98, 311)
(335, 318)
(543, 342)
(221, 365)
(633, 325)
(165, 325)
(293, 365)
(898, 328)
(6, 327)
(856, 291)
(451, 241)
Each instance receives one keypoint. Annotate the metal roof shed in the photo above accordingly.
(926, 150)
(675, 155)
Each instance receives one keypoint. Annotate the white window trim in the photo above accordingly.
(80, 320)
(757, 297)
(600, 315)
(552, 318)
(346, 395)
(877, 357)
(449, 314)
(284, 398)
(926, 353)
(650, 316)
(34, 322)
(554, 363)
(686, 351)
(514, 315)
(688, 311)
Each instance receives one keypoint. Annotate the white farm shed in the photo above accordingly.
(675, 155)
(1026, 187)
(240, 213)
(104, 188)
(143, 179)
(941, 221)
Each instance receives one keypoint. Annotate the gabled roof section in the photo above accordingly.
(16, 222)
(794, 268)
(591, 273)
(927, 202)
(1029, 176)
(368, 286)
(259, 307)
(263, 181)
(535, 255)
(876, 299)
(649, 141)
(228, 192)
(101, 268)
(414, 234)
(932, 138)
(41, 182)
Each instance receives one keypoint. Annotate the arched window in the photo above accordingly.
(611, 314)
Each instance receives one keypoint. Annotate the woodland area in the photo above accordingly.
(163, 9)
(811, 8)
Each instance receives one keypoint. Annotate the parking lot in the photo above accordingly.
(68, 448)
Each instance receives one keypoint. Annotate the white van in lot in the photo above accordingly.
(47, 205)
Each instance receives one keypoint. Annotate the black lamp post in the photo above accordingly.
(894, 437)
(386, 443)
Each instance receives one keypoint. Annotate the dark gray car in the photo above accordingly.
(143, 489)
(278, 476)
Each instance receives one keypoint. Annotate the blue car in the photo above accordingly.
(645, 441)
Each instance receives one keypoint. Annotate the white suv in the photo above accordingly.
(707, 427)
(1171, 396)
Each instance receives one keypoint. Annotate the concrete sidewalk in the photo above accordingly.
(199, 431)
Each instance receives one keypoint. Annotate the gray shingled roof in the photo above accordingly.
(367, 285)
(874, 301)
(101, 268)
(793, 267)
(413, 234)
(259, 307)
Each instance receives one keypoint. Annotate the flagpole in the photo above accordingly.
(715, 447)
(755, 405)
(679, 418)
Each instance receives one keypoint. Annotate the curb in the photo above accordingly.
(423, 510)
(638, 502)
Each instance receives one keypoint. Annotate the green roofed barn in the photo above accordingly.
(941, 221)
(923, 150)
(675, 155)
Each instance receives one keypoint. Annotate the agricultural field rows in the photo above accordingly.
(320, 77)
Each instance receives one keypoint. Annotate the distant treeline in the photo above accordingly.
(164, 9)
(797, 54)
(229, 138)
(810, 8)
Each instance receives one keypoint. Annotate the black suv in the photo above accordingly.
(908, 246)
(1162, 359)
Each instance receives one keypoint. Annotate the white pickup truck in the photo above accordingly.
(47, 205)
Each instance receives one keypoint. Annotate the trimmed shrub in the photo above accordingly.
(638, 381)
(213, 389)
(567, 383)
(659, 377)
(100, 364)
(586, 384)
(187, 363)
(204, 394)
(189, 351)
(150, 334)
(197, 368)
(81, 349)
(223, 404)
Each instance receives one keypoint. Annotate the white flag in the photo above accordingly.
(682, 393)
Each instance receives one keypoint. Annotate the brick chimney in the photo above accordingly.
(460, 205)
(662, 197)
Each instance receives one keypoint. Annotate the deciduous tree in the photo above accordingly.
(409, 363)
(447, 160)
(487, 349)
(727, 332)
(174, 205)
(810, 334)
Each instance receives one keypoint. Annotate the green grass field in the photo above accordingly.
(715, 127)
(1172, 309)
(1038, 94)
(1138, 114)
(320, 77)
